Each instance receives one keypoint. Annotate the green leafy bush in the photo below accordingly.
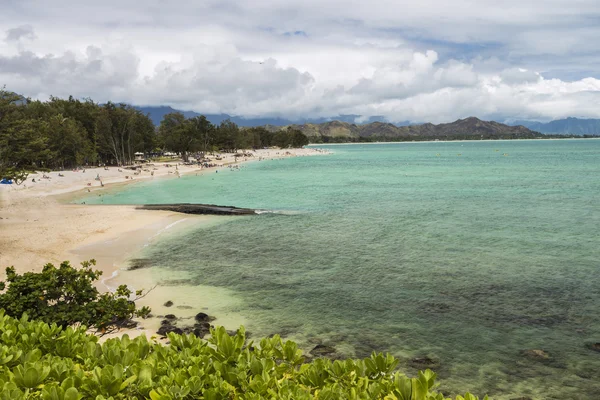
(41, 361)
(67, 296)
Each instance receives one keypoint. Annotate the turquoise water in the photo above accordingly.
(454, 251)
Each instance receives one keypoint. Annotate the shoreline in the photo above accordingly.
(451, 141)
(37, 226)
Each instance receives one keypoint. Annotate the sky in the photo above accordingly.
(420, 61)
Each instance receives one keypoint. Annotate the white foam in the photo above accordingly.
(114, 275)
(167, 228)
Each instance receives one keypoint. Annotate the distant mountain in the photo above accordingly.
(157, 114)
(468, 128)
(567, 126)
(343, 127)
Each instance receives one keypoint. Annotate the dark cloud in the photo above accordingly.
(20, 32)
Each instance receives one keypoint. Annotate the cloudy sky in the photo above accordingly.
(427, 60)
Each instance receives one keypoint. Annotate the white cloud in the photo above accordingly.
(422, 61)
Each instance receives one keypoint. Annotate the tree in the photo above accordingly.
(226, 135)
(259, 137)
(118, 131)
(67, 296)
(177, 134)
(203, 130)
(68, 133)
(10, 116)
(23, 147)
(85, 113)
(144, 134)
(297, 138)
(67, 142)
(281, 139)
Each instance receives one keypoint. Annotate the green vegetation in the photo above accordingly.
(64, 134)
(52, 357)
(198, 134)
(61, 134)
(41, 361)
(66, 296)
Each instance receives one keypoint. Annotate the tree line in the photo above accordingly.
(188, 135)
(67, 133)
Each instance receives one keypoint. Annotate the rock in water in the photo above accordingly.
(202, 317)
(188, 208)
(321, 350)
(200, 329)
(203, 325)
(536, 354)
(198, 332)
(163, 330)
(139, 263)
(168, 303)
(594, 346)
(170, 316)
(424, 363)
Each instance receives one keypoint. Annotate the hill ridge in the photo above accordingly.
(470, 127)
(565, 126)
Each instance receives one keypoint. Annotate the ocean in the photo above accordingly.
(464, 255)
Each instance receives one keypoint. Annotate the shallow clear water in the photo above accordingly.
(454, 251)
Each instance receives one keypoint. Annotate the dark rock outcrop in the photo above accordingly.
(322, 350)
(593, 346)
(201, 328)
(203, 317)
(165, 329)
(424, 363)
(168, 303)
(139, 263)
(198, 330)
(536, 355)
(188, 208)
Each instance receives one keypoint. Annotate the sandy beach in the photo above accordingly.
(37, 226)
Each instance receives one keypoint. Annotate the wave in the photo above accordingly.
(278, 212)
(110, 288)
(166, 228)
